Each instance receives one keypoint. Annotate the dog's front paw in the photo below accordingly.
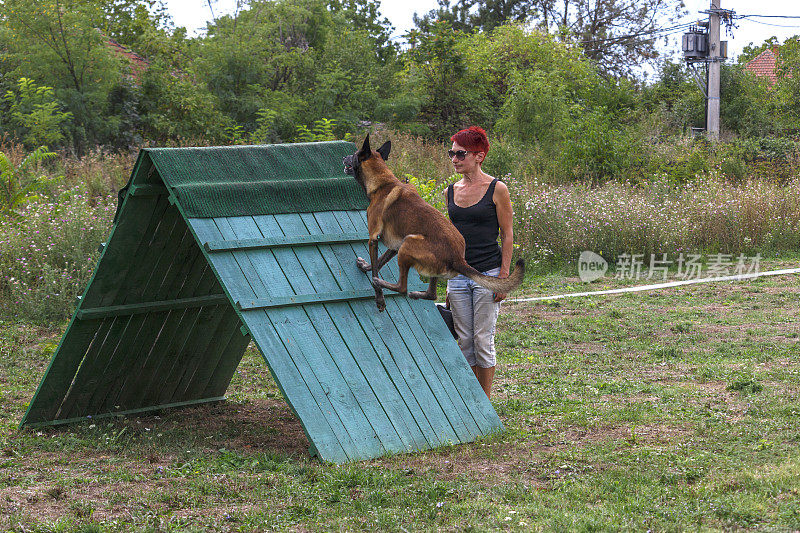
(381, 305)
(363, 265)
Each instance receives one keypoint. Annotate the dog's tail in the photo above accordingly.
(503, 285)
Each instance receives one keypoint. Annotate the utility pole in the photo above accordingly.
(714, 67)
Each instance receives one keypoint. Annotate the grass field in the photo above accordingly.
(668, 410)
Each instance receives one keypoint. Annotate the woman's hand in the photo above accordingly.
(500, 296)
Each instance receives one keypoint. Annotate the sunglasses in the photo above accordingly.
(460, 154)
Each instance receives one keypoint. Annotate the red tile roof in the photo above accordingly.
(764, 65)
(138, 64)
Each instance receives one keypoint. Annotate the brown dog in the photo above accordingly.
(410, 228)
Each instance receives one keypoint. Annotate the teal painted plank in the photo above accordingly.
(472, 416)
(312, 298)
(307, 399)
(427, 359)
(286, 240)
(364, 356)
(337, 349)
(463, 377)
(394, 317)
(404, 383)
(311, 352)
(385, 335)
(453, 361)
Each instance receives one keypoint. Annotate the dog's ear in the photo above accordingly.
(385, 149)
(365, 152)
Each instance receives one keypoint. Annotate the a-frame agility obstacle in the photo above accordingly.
(214, 247)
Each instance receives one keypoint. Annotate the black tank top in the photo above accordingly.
(479, 225)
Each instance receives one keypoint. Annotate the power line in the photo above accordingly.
(770, 16)
(775, 25)
(654, 32)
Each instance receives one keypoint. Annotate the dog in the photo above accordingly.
(413, 230)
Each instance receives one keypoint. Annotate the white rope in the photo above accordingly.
(738, 277)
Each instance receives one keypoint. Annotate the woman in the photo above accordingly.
(480, 207)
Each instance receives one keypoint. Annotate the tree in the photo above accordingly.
(617, 35)
(35, 114)
(476, 15)
(364, 15)
(57, 43)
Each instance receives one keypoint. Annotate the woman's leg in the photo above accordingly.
(459, 293)
(485, 312)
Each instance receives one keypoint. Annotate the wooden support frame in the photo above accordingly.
(149, 307)
(288, 240)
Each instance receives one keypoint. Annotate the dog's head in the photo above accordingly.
(352, 163)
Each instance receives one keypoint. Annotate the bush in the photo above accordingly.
(48, 253)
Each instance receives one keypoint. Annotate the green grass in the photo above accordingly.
(667, 411)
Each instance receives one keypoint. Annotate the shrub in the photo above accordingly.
(48, 253)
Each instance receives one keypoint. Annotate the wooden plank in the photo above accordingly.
(156, 251)
(148, 190)
(195, 280)
(446, 365)
(124, 413)
(388, 341)
(121, 263)
(201, 348)
(89, 376)
(449, 399)
(310, 350)
(306, 399)
(332, 334)
(61, 371)
(400, 381)
(462, 376)
(149, 307)
(430, 364)
(220, 377)
(313, 298)
(286, 240)
(452, 360)
(364, 356)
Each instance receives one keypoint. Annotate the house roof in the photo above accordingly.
(138, 64)
(764, 65)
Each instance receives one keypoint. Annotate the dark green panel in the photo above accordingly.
(60, 372)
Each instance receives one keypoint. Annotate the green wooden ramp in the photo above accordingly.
(214, 247)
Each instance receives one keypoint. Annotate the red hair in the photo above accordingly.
(473, 138)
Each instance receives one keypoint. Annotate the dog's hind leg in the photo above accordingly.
(405, 260)
(430, 294)
(382, 260)
(380, 301)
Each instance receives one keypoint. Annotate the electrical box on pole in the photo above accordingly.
(701, 44)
